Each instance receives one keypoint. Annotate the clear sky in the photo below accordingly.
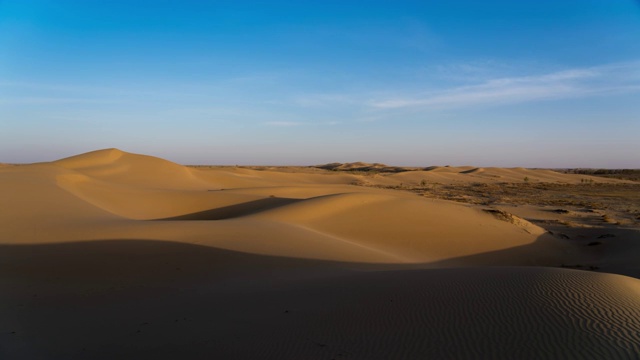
(534, 83)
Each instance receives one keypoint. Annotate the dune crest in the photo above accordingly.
(120, 167)
(91, 159)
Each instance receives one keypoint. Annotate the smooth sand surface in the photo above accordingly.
(116, 255)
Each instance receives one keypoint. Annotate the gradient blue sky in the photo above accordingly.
(540, 83)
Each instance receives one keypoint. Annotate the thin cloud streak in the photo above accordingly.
(284, 123)
(320, 100)
(192, 90)
(300, 123)
(601, 80)
(51, 100)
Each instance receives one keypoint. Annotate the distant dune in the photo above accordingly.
(110, 254)
(361, 166)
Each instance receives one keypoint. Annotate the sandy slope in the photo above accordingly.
(116, 255)
(377, 225)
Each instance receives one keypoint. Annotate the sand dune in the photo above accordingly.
(110, 254)
(145, 299)
(117, 166)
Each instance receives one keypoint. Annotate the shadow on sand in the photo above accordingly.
(134, 299)
(236, 210)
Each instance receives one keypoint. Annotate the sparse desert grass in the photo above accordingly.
(622, 174)
(622, 199)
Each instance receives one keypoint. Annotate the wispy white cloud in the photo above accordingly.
(47, 90)
(571, 83)
(50, 101)
(300, 123)
(50, 87)
(319, 100)
(284, 123)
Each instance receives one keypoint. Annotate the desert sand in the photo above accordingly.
(114, 255)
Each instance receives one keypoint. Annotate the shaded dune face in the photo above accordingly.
(116, 255)
(149, 299)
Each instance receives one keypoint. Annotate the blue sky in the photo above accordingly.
(486, 83)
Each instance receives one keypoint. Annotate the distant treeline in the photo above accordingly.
(624, 174)
(601, 171)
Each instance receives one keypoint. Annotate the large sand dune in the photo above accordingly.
(116, 255)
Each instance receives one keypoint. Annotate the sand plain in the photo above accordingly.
(111, 254)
